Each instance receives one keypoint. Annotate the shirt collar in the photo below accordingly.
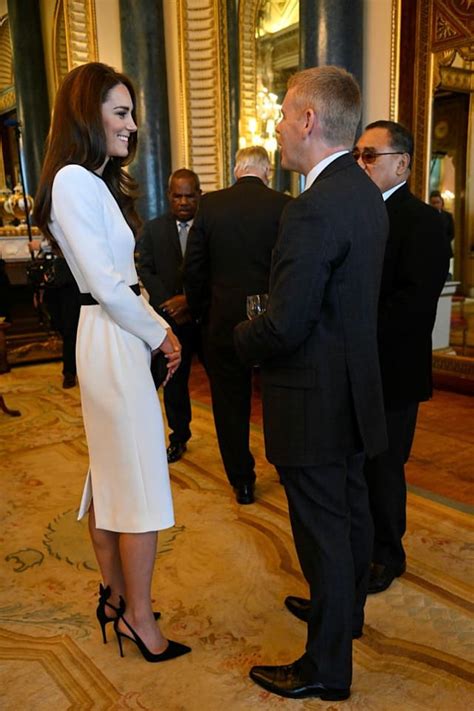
(389, 192)
(319, 167)
(188, 223)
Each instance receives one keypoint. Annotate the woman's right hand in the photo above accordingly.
(171, 348)
(34, 245)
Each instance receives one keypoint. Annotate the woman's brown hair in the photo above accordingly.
(77, 136)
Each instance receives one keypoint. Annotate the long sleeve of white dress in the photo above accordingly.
(98, 245)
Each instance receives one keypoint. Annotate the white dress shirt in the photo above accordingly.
(390, 191)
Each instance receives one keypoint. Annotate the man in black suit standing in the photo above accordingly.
(161, 252)
(228, 259)
(322, 393)
(415, 269)
(437, 201)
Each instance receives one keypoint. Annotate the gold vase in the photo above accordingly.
(6, 212)
(17, 203)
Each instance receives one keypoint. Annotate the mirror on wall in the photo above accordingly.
(447, 176)
(436, 101)
(276, 49)
(452, 132)
(277, 58)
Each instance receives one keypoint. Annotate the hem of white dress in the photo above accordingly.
(85, 506)
(86, 499)
(146, 529)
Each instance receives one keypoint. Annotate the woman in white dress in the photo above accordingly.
(85, 204)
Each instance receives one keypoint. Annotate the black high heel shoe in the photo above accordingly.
(173, 650)
(103, 618)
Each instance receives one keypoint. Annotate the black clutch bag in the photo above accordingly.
(50, 271)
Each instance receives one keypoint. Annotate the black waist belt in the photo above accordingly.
(88, 299)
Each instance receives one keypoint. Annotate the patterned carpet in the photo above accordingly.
(221, 576)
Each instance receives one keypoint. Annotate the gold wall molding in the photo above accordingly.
(452, 24)
(456, 79)
(422, 98)
(59, 44)
(394, 59)
(7, 100)
(248, 10)
(74, 35)
(203, 100)
(444, 29)
(6, 64)
(7, 88)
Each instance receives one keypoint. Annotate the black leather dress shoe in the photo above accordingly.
(382, 576)
(289, 682)
(300, 607)
(175, 451)
(245, 493)
(69, 381)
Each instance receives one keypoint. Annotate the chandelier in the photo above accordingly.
(261, 128)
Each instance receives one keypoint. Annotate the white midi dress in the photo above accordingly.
(128, 474)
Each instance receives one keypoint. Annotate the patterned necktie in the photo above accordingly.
(183, 236)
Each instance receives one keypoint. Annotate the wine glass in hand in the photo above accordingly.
(256, 305)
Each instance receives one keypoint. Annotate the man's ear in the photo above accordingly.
(403, 163)
(310, 121)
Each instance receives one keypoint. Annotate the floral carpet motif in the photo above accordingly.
(222, 574)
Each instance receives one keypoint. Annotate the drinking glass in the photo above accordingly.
(256, 305)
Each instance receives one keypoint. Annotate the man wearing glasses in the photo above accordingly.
(415, 269)
(161, 252)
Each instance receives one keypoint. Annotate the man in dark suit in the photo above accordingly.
(415, 269)
(322, 393)
(160, 265)
(228, 259)
(437, 201)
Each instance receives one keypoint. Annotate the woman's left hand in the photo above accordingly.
(171, 348)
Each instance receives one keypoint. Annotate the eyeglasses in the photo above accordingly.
(370, 155)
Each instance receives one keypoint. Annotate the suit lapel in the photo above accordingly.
(173, 237)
